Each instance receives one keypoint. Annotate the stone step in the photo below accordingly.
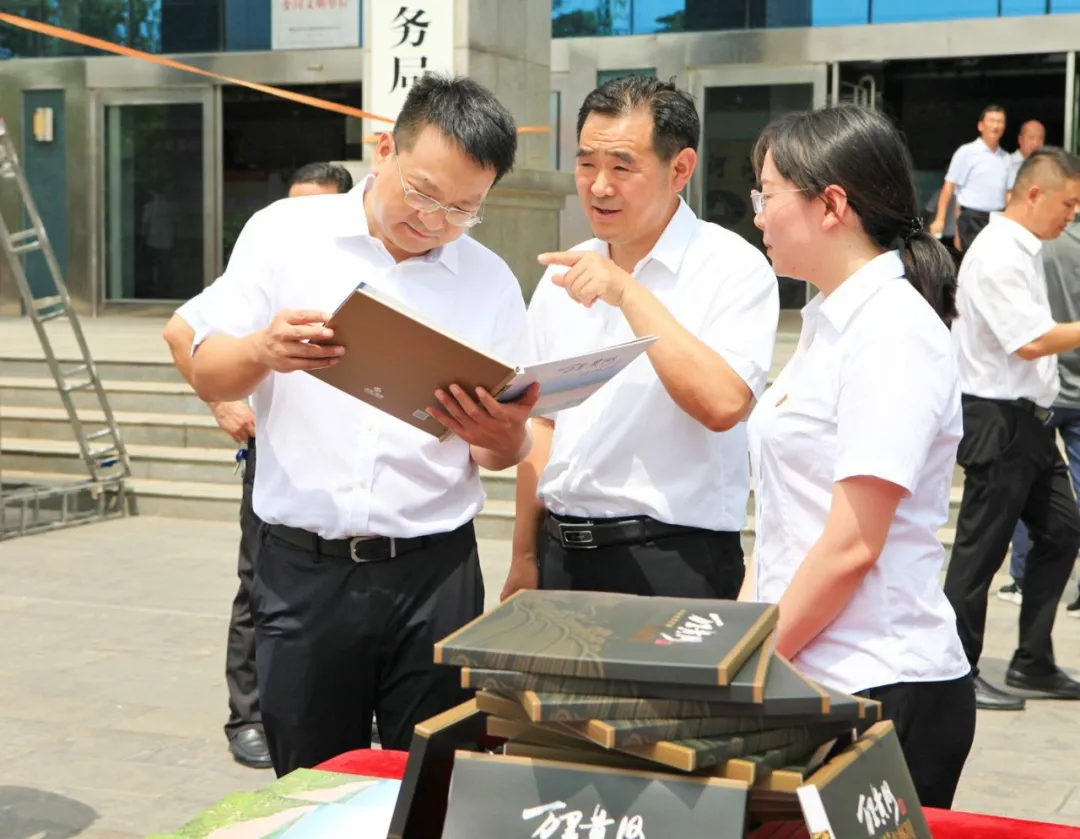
(121, 370)
(123, 395)
(209, 501)
(136, 427)
(158, 463)
(189, 463)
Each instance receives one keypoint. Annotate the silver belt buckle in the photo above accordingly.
(575, 535)
(356, 540)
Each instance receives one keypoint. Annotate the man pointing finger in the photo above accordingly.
(643, 488)
(591, 277)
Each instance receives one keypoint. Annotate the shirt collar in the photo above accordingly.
(354, 223)
(670, 248)
(1021, 235)
(999, 150)
(840, 306)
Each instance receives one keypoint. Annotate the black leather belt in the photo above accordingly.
(1026, 405)
(358, 549)
(584, 534)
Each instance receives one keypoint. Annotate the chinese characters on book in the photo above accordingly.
(880, 810)
(556, 822)
(692, 630)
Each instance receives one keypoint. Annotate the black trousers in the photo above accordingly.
(240, 676)
(935, 723)
(970, 224)
(1013, 472)
(340, 640)
(702, 563)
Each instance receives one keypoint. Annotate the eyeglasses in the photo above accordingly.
(426, 204)
(757, 198)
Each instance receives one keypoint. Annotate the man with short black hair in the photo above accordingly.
(369, 554)
(979, 176)
(643, 488)
(244, 728)
(1061, 262)
(1007, 344)
(319, 179)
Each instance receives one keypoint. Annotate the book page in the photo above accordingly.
(566, 382)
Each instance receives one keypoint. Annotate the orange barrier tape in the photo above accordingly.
(117, 49)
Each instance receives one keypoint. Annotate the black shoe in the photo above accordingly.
(1073, 609)
(1057, 685)
(990, 698)
(249, 748)
(1011, 593)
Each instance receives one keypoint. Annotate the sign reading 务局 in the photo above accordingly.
(403, 41)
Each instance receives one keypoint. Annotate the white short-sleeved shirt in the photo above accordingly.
(329, 463)
(629, 450)
(191, 313)
(981, 176)
(1003, 305)
(871, 391)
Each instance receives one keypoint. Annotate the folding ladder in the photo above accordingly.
(33, 508)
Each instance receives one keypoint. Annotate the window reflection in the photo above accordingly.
(584, 18)
(155, 26)
(579, 18)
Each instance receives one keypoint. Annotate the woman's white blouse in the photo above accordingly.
(871, 390)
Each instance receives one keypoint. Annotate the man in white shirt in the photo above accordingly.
(644, 487)
(978, 174)
(1007, 345)
(369, 553)
(1032, 136)
(244, 728)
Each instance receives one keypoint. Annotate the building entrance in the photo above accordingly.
(265, 139)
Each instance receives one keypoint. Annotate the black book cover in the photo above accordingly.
(422, 800)
(492, 797)
(748, 685)
(598, 635)
(701, 753)
(865, 791)
(787, 693)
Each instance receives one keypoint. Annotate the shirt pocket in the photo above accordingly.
(804, 432)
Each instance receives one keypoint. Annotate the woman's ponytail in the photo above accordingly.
(931, 269)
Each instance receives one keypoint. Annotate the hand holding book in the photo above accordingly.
(288, 343)
(485, 422)
(396, 360)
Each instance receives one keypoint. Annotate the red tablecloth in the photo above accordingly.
(944, 824)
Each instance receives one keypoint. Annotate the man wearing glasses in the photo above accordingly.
(643, 488)
(369, 554)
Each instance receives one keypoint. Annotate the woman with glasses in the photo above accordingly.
(853, 447)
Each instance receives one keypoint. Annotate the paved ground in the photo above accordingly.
(112, 695)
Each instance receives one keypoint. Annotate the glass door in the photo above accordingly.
(1072, 117)
(737, 102)
(158, 194)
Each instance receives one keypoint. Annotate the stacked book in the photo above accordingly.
(678, 710)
